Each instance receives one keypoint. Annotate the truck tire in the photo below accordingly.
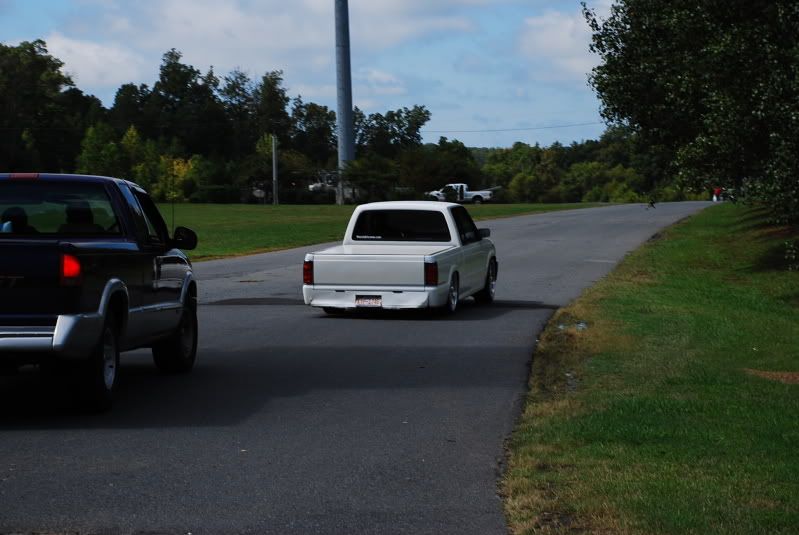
(477, 199)
(486, 295)
(100, 372)
(178, 353)
(453, 295)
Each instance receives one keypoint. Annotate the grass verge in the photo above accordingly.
(664, 400)
(237, 229)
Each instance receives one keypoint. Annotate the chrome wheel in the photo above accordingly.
(454, 294)
(187, 336)
(109, 359)
(486, 295)
(99, 372)
(492, 280)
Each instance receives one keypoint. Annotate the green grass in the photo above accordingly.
(651, 420)
(236, 229)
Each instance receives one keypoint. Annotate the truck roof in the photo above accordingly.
(406, 205)
(63, 176)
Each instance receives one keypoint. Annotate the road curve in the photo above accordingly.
(294, 422)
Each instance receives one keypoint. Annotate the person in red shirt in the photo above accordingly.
(716, 194)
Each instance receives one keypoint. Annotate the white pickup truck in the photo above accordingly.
(405, 254)
(461, 193)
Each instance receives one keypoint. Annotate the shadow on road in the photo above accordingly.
(468, 310)
(239, 374)
(228, 387)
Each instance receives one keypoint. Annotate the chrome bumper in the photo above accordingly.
(72, 337)
(392, 298)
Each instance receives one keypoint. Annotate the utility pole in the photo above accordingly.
(345, 127)
(274, 170)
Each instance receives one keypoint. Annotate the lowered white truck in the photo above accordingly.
(400, 255)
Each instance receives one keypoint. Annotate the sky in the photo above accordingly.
(491, 72)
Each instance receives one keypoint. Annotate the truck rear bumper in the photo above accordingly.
(72, 337)
(390, 298)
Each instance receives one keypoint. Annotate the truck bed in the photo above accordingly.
(373, 264)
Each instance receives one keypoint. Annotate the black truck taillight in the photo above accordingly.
(71, 271)
(307, 272)
(431, 274)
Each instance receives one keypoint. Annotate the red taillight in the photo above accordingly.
(431, 274)
(23, 176)
(307, 272)
(70, 270)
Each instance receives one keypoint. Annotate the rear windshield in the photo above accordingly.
(401, 225)
(38, 207)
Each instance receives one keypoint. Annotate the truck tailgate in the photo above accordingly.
(29, 278)
(372, 265)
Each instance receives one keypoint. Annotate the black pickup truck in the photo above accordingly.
(88, 269)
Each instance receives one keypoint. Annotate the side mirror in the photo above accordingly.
(185, 238)
(483, 233)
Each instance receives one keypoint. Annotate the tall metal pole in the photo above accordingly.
(345, 127)
(274, 169)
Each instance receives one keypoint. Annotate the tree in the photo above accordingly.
(100, 154)
(376, 177)
(271, 102)
(712, 86)
(238, 99)
(129, 110)
(431, 166)
(387, 135)
(313, 131)
(184, 105)
(504, 164)
(41, 123)
(146, 171)
(132, 150)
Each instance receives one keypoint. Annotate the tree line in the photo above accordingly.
(196, 136)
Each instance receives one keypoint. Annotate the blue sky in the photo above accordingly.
(482, 65)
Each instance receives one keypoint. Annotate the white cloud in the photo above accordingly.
(390, 22)
(103, 43)
(94, 64)
(373, 88)
(558, 42)
(267, 35)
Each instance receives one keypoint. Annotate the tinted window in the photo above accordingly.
(39, 207)
(466, 227)
(156, 228)
(401, 225)
(139, 222)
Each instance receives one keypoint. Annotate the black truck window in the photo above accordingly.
(466, 227)
(401, 225)
(55, 208)
(156, 227)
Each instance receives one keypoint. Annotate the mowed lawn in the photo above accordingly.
(236, 229)
(666, 398)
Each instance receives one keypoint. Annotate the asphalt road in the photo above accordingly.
(294, 422)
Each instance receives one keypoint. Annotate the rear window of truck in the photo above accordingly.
(51, 209)
(401, 225)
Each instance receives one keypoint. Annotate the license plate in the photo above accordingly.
(368, 301)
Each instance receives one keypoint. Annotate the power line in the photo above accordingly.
(510, 129)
